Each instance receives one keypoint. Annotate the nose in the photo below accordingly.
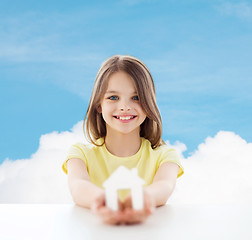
(124, 106)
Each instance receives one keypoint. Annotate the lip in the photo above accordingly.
(132, 117)
(125, 115)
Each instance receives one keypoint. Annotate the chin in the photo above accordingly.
(126, 132)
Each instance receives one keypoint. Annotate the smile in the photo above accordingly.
(125, 117)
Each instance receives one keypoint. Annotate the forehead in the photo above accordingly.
(121, 82)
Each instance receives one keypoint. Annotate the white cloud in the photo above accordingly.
(217, 172)
(178, 146)
(40, 178)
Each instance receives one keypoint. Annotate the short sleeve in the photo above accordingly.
(75, 151)
(170, 155)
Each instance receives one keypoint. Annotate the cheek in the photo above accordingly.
(140, 109)
(106, 108)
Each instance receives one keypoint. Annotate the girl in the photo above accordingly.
(124, 126)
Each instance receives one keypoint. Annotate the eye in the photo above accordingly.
(113, 98)
(135, 98)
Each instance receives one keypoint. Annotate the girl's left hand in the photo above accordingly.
(132, 216)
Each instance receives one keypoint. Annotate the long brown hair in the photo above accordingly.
(151, 128)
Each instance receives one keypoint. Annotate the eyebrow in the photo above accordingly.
(111, 91)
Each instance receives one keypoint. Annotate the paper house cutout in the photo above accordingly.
(123, 178)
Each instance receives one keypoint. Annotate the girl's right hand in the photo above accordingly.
(107, 215)
(132, 216)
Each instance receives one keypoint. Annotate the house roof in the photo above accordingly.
(123, 178)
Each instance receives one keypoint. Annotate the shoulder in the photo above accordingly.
(83, 151)
(168, 154)
(165, 150)
(80, 147)
(86, 147)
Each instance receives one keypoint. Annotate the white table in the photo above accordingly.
(35, 221)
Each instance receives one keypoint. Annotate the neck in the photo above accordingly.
(123, 145)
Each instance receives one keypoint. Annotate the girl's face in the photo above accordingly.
(120, 106)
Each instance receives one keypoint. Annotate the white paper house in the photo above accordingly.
(123, 178)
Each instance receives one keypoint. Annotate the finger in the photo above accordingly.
(149, 208)
(127, 203)
(98, 203)
(133, 217)
(109, 217)
(120, 205)
(149, 204)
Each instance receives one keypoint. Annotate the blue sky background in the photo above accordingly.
(199, 53)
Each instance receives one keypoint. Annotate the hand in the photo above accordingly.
(126, 214)
(132, 216)
(107, 215)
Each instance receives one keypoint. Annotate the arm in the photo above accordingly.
(163, 184)
(86, 194)
(82, 190)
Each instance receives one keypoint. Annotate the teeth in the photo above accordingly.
(125, 118)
